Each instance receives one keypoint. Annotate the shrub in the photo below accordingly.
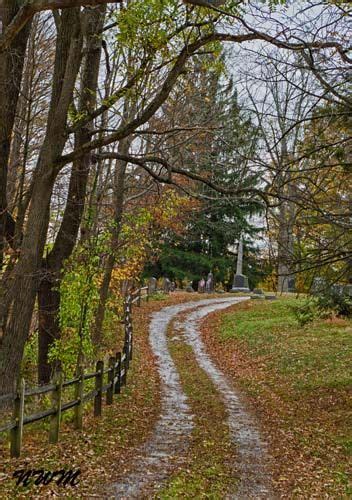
(328, 303)
(335, 302)
(305, 313)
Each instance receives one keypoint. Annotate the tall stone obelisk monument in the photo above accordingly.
(240, 281)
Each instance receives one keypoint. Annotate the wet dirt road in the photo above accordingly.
(155, 461)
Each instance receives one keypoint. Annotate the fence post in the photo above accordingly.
(98, 387)
(111, 376)
(18, 414)
(148, 294)
(118, 370)
(126, 347)
(78, 419)
(125, 366)
(55, 419)
(129, 334)
(130, 340)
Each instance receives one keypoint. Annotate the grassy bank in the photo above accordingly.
(298, 381)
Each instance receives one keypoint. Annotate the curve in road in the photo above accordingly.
(156, 460)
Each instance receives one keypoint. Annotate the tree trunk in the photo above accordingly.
(285, 250)
(48, 293)
(48, 305)
(24, 282)
(11, 67)
(286, 278)
(124, 146)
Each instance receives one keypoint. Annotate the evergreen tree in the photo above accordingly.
(207, 243)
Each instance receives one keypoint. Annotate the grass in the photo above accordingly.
(299, 379)
(157, 296)
(315, 357)
(208, 472)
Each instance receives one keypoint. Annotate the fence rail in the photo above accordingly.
(108, 380)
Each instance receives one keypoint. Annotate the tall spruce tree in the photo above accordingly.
(221, 153)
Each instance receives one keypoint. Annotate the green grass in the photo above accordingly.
(315, 357)
(208, 472)
(158, 296)
(302, 376)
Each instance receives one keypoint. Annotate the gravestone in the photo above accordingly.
(337, 288)
(291, 285)
(189, 288)
(258, 294)
(201, 286)
(318, 285)
(286, 283)
(152, 286)
(240, 281)
(172, 286)
(166, 285)
(209, 286)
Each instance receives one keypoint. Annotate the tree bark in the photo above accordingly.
(286, 224)
(48, 293)
(31, 7)
(124, 146)
(285, 249)
(24, 282)
(11, 67)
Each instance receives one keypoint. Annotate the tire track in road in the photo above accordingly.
(252, 459)
(157, 459)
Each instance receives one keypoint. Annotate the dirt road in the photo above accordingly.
(164, 452)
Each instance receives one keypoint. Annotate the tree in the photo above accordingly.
(220, 151)
(168, 36)
(52, 267)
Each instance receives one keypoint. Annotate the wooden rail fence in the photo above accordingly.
(108, 380)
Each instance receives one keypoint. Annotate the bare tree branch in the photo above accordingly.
(32, 7)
